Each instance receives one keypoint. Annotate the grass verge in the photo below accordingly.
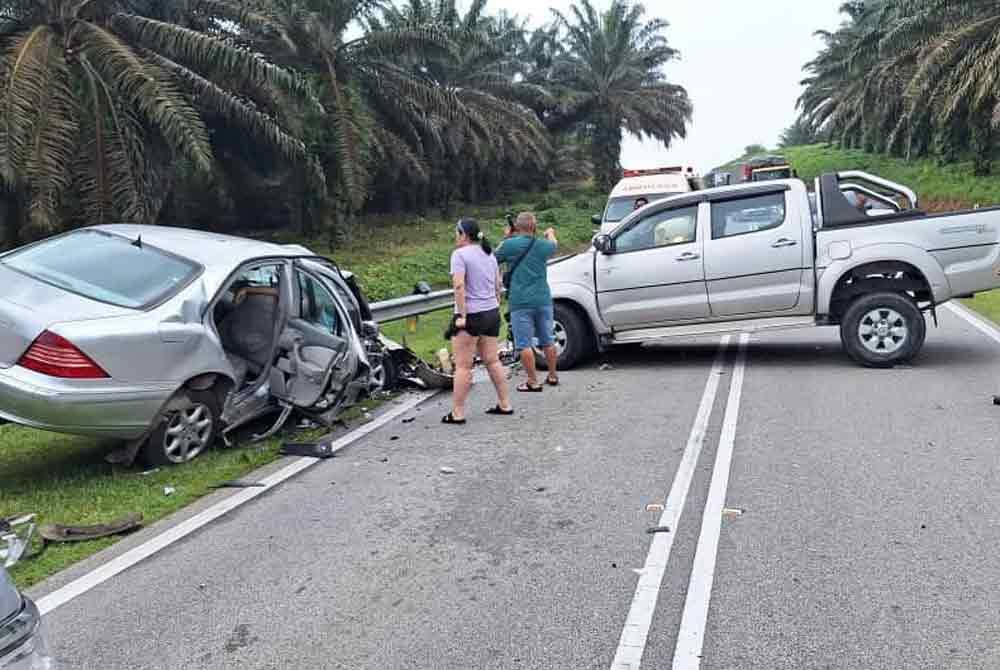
(64, 479)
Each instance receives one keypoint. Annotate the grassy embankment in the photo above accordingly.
(65, 479)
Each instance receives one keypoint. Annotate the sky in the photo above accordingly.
(741, 63)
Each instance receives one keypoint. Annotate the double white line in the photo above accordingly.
(690, 639)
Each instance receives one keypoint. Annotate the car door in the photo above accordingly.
(653, 272)
(317, 361)
(754, 257)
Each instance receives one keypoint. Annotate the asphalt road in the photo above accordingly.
(866, 540)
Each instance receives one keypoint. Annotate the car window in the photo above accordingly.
(619, 208)
(104, 267)
(747, 215)
(317, 305)
(663, 229)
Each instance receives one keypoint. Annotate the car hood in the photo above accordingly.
(575, 269)
(10, 599)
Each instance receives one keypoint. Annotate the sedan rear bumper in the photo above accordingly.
(96, 408)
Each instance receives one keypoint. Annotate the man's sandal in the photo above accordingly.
(528, 388)
(500, 411)
(450, 419)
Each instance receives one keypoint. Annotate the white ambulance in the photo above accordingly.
(638, 188)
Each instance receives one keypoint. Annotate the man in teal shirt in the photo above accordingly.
(531, 313)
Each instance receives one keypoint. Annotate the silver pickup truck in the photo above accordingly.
(856, 253)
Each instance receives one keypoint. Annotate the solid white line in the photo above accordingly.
(640, 615)
(691, 636)
(78, 587)
(986, 328)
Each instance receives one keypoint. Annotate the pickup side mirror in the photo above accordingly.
(604, 244)
(597, 220)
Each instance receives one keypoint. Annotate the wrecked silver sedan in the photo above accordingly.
(171, 338)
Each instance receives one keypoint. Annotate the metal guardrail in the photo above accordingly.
(412, 305)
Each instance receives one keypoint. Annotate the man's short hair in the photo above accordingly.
(526, 223)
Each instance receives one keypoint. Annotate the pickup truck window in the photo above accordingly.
(747, 215)
(663, 229)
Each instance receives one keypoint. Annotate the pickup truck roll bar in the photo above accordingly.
(837, 211)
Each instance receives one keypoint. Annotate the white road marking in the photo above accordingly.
(987, 329)
(691, 636)
(78, 587)
(640, 615)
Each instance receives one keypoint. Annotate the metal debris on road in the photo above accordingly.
(447, 471)
(149, 472)
(410, 419)
(732, 511)
(655, 507)
(169, 490)
(310, 449)
(658, 529)
(606, 366)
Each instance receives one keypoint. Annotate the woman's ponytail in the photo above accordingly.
(470, 228)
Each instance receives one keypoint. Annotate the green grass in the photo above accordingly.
(952, 186)
(65, 479)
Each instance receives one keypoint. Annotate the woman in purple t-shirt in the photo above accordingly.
(476, 278)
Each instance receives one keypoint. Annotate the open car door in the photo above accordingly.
(318, 358)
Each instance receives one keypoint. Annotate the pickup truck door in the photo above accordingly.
(754, 258)
(654, 272)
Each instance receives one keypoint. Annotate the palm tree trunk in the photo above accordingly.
(606, 150)
(982, 142)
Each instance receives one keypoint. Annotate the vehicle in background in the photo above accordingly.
(771, 256)
(637, 186)
(22, 642)
(767, 168)
(169, 338)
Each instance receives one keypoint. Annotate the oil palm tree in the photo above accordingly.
(99, 95)
(611, 79)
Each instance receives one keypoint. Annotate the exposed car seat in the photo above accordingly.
(247, 332)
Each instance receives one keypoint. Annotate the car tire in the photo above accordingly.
(387, 373)
(882, 330)
(183, 435)
(573, 331)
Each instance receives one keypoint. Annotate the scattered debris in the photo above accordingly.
(606, 366)
(410, 419)
(307, 424)
(540, 489)
(237, 484)
(658, 529)
(614, 565)
(996, 400)
(394, 438)
(310, 449)
(384, 459)
(62, 533)
(444, 359)
(447, 471)
(923, 526)
(655, 507)
(149, 472)
(732, 511)
(169, 490)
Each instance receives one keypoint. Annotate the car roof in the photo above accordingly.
(205, 248)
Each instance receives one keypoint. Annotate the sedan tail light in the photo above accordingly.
(56, 356)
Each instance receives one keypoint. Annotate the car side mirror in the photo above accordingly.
(369, 330)
(604, 244)
(15, 539)
(597, 220)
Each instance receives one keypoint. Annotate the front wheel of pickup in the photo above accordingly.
(574, 341)
(882, 330)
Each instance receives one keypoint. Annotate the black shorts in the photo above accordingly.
(483, 324)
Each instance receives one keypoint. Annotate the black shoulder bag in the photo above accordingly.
(507, 276)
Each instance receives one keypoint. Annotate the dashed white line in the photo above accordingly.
(78, 587)
(691, 637)
(640, 616)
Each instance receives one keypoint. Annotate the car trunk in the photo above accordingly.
(29, 306)
(10, 601)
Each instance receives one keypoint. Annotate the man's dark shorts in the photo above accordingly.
(483, 324)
